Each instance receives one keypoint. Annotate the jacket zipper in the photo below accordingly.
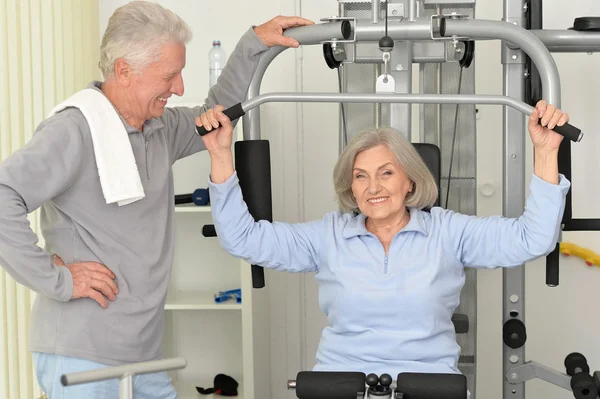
(385, 265)
(146, 146)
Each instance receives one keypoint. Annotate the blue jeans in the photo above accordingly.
(50, 367)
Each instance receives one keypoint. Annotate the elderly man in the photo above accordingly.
(102, 279)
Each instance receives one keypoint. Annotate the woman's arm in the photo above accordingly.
(279, 246)
(500, 242)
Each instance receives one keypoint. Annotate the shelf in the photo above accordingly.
(198, 301)
(187, 390)
(192, 208)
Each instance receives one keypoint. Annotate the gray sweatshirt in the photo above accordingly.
(56, 171)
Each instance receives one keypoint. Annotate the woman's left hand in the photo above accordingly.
(542, 135)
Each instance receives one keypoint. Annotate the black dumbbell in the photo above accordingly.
(582, 382)
(200, 197)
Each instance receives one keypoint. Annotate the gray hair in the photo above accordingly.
(425, 190)
(137, 32)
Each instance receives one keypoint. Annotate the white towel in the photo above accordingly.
(119, 175)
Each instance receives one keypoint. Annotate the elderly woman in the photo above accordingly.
(390, 273)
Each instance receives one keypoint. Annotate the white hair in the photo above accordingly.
(425, 190)
(136, 32)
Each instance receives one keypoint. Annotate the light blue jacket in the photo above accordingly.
(390, 314)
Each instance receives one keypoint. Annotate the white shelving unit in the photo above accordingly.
(188, 208)
(215, 338)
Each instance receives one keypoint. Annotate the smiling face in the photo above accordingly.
(379, 184)
(160, 80)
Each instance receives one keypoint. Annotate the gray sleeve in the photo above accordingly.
(231, 88)
(32, 175)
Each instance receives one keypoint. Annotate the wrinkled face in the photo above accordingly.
(379, 184)
(159, 81)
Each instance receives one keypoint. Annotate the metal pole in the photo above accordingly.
(306, 35)
(412, 10)
(154, 366)
(438, 107)
(419, 29)
(251, 120)
(525, 40)
(400, 115)
(438, 90)
(513, 191)
(318, 33)
(375, 10)
(569, 41)
(519, 106)
(126, 387)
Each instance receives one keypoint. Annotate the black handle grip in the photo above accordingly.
(208, 230)
(183, 199)
(431, 385)
(232, 113)
(552, 262)
(330, 384)
(258, 277)
(569, 132)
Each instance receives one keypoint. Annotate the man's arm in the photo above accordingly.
(34, 174)
(233, 83)
(231, 88)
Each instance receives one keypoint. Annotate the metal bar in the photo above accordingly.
(126, 387)
(319, 33)
(400, 115)
(375, 10)
(438, 107)
(412, 10)
(422, 106)
(108, 373)
(419, 29)
(422, 52)
(251, 119)
(513, 179)
(520, 106)
(428, 52)
(569, 41)
(306, 35)
(531, 370)
(377, 111)
(527, 41)
(583, 225)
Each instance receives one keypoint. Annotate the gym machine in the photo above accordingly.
(356, 385)
(389, 38)
(386, 39)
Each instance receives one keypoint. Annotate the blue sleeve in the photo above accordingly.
(274, 245)
(504, 242)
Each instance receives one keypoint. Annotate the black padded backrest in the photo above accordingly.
(432, 157)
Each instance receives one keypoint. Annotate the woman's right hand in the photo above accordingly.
(218, 139)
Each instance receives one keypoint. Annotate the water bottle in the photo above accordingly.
(216, 62)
